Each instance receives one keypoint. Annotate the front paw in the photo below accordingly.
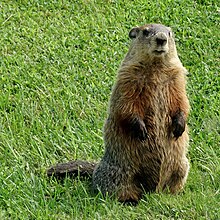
(138, 129)
(178, 124)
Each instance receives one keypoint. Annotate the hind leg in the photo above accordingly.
(129, 194)
(178, 177)
(174, 176)
(114, 181)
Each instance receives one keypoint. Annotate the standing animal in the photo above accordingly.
(145, 134)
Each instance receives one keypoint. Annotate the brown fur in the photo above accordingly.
(146, 135)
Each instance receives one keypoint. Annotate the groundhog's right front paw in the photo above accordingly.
(138, 129)
(178, 123)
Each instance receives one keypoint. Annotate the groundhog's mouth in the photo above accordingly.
(159, 52)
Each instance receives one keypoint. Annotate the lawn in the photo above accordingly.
(58, 62)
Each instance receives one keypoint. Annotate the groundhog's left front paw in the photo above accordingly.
(178, 124)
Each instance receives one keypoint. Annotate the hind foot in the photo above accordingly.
(130, 196)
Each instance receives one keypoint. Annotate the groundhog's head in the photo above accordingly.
(154, 40)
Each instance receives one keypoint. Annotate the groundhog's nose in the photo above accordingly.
(161, 42)
(161, 39)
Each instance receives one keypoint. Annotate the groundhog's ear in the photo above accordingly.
(134, 32)
(170, 31)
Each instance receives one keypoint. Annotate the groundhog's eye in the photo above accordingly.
(170, 34)
(146, 32)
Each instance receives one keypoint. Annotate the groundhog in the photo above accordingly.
(145, 134)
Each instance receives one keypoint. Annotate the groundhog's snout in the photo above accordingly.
(159, 44)
(161, 39)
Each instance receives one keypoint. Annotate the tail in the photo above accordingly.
(72, 168)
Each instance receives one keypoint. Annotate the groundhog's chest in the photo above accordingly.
(154, 95)
(155, 101)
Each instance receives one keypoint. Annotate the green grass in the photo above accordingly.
(58, 62)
